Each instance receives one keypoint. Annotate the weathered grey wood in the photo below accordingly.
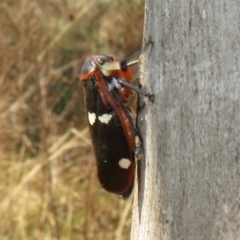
(190, 180)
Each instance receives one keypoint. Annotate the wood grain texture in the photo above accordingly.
(190, 178)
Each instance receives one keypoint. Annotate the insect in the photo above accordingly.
(106, 82)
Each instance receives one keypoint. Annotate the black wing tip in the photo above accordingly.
(126, 194)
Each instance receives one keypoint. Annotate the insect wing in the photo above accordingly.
(115, 160)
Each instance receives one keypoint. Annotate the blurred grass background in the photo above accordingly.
(48, 183)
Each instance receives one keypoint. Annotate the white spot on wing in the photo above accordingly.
(124, 163)
(105, 118)
(91, 118)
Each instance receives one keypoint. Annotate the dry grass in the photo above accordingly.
(48, 185)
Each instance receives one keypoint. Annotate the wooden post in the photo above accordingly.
(190, 177)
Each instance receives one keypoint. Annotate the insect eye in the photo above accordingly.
(101, 60)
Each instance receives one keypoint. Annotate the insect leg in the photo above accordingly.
(136, 89)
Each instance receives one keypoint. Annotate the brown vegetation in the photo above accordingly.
(48, 185)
